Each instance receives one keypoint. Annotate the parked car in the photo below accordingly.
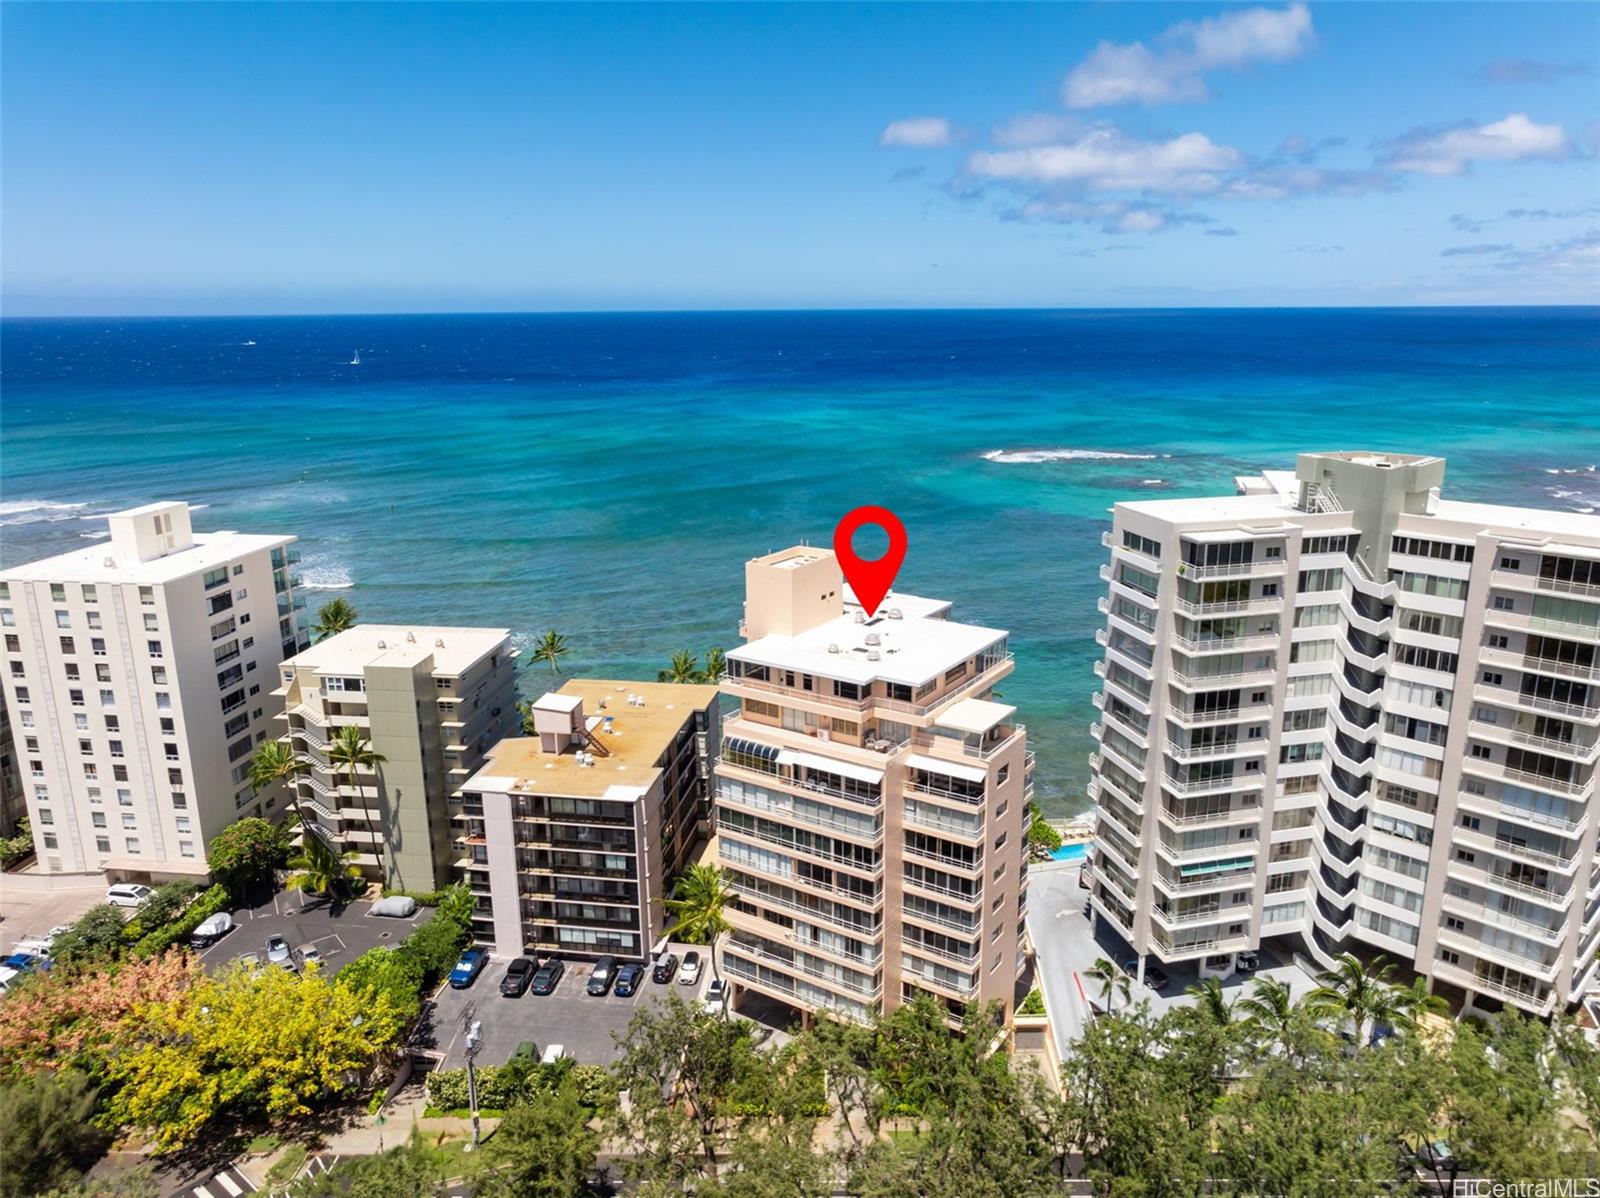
(128, 894)
(251, 961)
(527, 1050)
(278, 952)
(468, 968)
(1249, 960)
(553, 1053)
(545, 981)
(518, 975)
(396, 906)
(40, 946)
(19, 965)
(309, 954)
(690, 973)
(1153, 975)
(716, 999)
(628, 979)
(601, 976)
(211, 929)
(666, 966)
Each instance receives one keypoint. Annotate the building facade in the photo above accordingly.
(1342, 709)
(139, 675)
(871, 800)
(13, 806)
(430, 702)
(574, 835)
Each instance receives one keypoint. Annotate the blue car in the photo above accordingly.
(468, 968)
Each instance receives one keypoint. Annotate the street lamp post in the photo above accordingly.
(474, 1037)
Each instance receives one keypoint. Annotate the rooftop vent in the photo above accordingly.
(896, 614)
(872, 655)
(874, 639)
(110, 563)
(833, 648)
(438, 642)
(861, 617)
(411, 638)
(382, 645)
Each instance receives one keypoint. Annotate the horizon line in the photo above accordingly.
(796, 311)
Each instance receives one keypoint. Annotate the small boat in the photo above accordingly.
(249, 342)
(356, 361)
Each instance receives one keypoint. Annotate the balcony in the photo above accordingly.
(796, 966)
(1263, 676)
(1186, 716)
(1231, 644)
(1255, 748)
(1234, 782)
(1265, 567)
(1510, 848)
(1539, 665)
(1499, 772)
(1227, 607)
(1505, 697)
(950, 861)
(1236, 813)
(1538, 582)
(945, 826)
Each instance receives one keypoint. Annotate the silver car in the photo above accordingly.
(278, 952)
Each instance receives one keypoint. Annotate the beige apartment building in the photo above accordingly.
(1341, 709)
(138, 680)
(871, 800)
(431, 702)
(574, 835)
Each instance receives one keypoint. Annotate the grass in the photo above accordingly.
(264, 1144)
(292, 1161)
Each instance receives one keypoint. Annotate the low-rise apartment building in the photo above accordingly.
(871, 800)
(430, 702)
(1341, 708)
(574, 835)
(138, 680)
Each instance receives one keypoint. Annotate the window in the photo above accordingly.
(186, 848)
(58, 592)
(124, 797)
(1269, 590)
(131, 844)
(46, 816)
(1481, 752)
(50, 840)
(90, 595)
(97, 818)
(68, 646)
(1504, 603)
(115, 748)
(63, 619)
(1511, 563)
(1144, 545)
(102, 844)
(213, 578)
(158, 675)
(1492, 678)
(8, 618)
(154, 647)
(151, 624)
(1499, 641)
(102, 672)
(147, 595)
(130, 822)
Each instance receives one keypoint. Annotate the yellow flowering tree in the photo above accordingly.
(274, 1045)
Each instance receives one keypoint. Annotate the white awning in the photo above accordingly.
(975, 715)
(950, 769)
(828, 765)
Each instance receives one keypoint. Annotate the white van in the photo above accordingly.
(553, 1053)
(128, 894)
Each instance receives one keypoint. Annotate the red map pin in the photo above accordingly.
(870, 580)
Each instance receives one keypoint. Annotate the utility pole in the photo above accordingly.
(474, 1038)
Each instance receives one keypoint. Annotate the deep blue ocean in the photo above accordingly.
(607, 475)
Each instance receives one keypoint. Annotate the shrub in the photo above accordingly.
(499, 1086)
(246, 852)
(394, 972)
(211, 901)
(159, 910)
(436, 944)
(1040, 833)
(424, 898)
(96, 936)
(1033, 1004)
(18, 847)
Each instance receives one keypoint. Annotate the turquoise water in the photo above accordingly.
(1071, 852)
(607, 476)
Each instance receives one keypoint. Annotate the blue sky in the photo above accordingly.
(371, 158)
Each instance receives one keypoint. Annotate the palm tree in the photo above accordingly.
(320, 869)
(1112, 980)
(716, 666)
(698, 901)
(1358, 992)
(550, 648)
(1414, 1001)
(274, 762)
(685, 667)
(1211, 999)
(333, 617)
(351, 751)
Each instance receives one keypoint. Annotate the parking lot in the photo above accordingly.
(583, 1025)
(340, 934)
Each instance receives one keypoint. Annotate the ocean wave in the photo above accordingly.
(1012, 457)
(1152, 482)
(37, 511)
(324, 576)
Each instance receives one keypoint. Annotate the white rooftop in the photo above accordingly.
(911, 650)
(975, 715)
(454, 650)
(100, 562)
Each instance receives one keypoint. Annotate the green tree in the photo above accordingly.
(1273, 1017)
(96, 936)
(716, 665)
(543, 1149)
(393, 972)
(685, 667)
(351, 751)
(550, 649)
(273, 762)
(1212, 1001)
(409, 1170)
(319, 868)
(1040, 833)
(699, 900)
(160, 909)
(245, 853)
(1112, 981)
(17, 846)
(333, 617)
(1358, 993)
(47, 1137)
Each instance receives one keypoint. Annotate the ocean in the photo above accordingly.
(607, 475)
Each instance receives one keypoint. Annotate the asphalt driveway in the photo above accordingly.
(341, 934)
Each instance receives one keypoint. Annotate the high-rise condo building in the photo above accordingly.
(1340, 708)
(138, 679)
(871, 800)
(13, 807)
(430, 702)
(575, 834)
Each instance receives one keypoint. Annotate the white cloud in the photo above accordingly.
(1035, 128)
(1105, 159)
(1110, 216)
(1172, 72)
(921, 132)
(1450, 151)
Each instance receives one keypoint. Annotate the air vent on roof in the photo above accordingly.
(111, 563)
(411, 638)
(872, 655)
(833, 648)
(874, 639)
(382, 645)
(896, 614)
(861, 617)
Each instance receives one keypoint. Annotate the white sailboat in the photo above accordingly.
(356, 361)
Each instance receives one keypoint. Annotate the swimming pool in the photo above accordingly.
(1071, 852)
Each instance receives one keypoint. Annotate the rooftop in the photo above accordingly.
(911, 649)
(100, 562)
(454, 650)
(636, 738)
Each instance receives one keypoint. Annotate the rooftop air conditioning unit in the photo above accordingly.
(833, 648)
(381, 645)
(874, 639)
(411, 638)
(896, 614)
(438, 642)
(861, 617)
(872, 655)
(110, 563)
